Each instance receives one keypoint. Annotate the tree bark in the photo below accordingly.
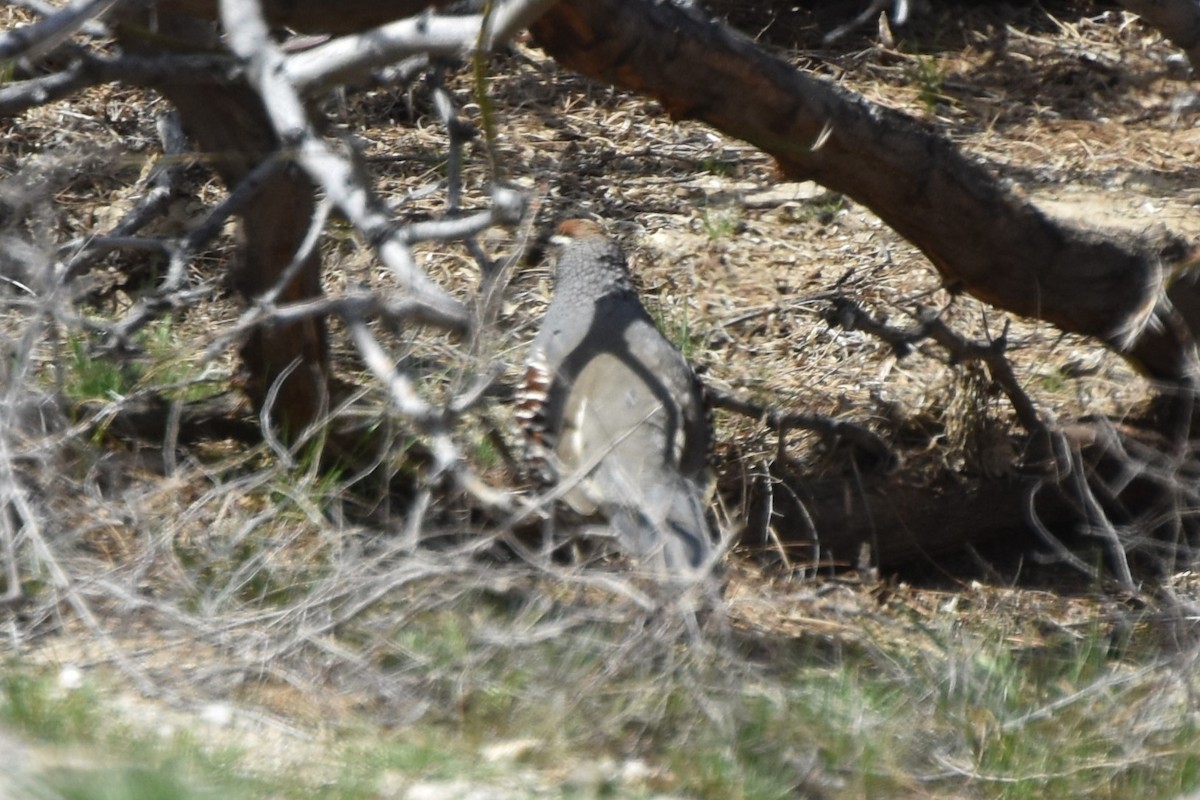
(228, 123)
(982, 238)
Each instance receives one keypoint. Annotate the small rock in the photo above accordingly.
(635, 772)
(591, 776)
(218, 714)
(70, 678)
(391, 784)
(511, 751)
(454, 790)
(806, 191)
(437, 790)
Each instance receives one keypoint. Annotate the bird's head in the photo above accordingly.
(588, 260)
(573, 230)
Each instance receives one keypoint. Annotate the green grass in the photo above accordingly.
(94, 378)
(930, 78)
(1003, 703)
(720, 224)
(723, 167)
(822, 211)
(88, 753)
(166, 364)
(677, 327)
(29, 703)
(957, 711)
(171, 780)
(1055, 382)
(171, 363)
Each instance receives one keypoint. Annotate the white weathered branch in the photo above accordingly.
(350, 57)
(405, 397)
(162, 182)
(336, 174)
(36, 39)
(89, 69)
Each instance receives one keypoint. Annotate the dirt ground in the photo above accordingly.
(1079, 106)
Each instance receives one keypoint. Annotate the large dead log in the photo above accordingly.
(1122, 493)
(836, 522)
(981, 237)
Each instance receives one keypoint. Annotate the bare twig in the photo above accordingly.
(1060, 550)
(400, 386)
(43, 9)
(831, 430)
(89, 69)
(263, 307)
(173, 293)
(849, 315)
(351, 57)
(900, 12)
(17, 515)
(507, 209)
(1179, 21)
(16, 506)
(164, 178)
(993, 356)
(356, 304)
(458, 131)
(35, 40)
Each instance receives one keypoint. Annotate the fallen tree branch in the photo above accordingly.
(37, 39)
(980, 236)
(312, 16)
(88, 69)
(850, 315)
(831, 430)
(173, 292)
(164, 178)
(351, 57)
(91, 27)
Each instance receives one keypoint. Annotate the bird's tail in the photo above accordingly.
(668, 530)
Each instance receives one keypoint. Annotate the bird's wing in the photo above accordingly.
(688, 425)
(618, 444)
(618, 433)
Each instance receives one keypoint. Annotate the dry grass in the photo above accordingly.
(342, 633)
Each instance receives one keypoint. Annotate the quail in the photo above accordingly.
(613, 412)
